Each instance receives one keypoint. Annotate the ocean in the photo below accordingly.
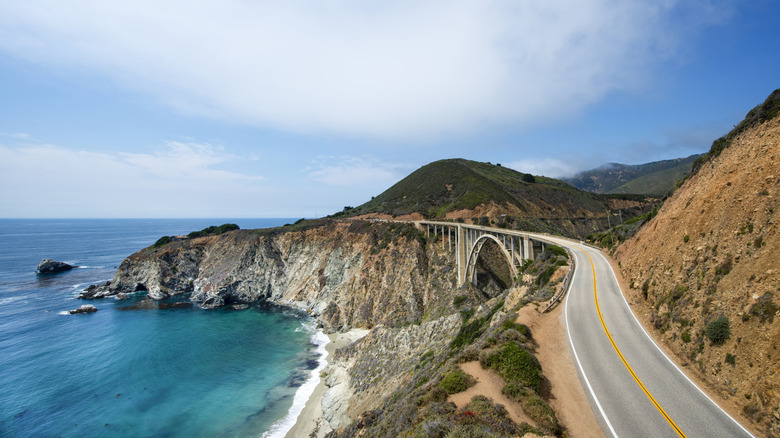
(136, 368)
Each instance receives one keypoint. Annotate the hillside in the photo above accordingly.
(655, 178)
(462, 189)
(704, 271)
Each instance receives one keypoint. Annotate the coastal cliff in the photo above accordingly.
(389, 279)
(352, 274)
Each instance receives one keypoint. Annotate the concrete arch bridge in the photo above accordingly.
(467, 242)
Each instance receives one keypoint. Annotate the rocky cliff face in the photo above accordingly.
(386, 277)
(712, 251)
(350, 274)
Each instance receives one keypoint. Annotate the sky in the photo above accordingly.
(237, 108)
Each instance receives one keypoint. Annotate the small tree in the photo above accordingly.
(718, 330)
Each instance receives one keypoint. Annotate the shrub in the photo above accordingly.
(520, 328)
(718, 330)
(212, 230)
(724, 268)
(765, 307)
(730, 359)
(686, 238)
(686, 336)
(556, 250)
(460, 299)
(456, 381)
(515, 364)
(164, 240)
(468, 333)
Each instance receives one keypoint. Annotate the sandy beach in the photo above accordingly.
(309, 419)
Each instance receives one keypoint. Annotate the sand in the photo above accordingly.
(308, 421)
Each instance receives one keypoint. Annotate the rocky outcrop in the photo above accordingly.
(350, 273)
(49, 266)
(84, 308)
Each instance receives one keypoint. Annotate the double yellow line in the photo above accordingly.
(628, 367)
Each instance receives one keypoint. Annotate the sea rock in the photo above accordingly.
(84, 308)
(97, 291)
(212, 302)
(49, 266)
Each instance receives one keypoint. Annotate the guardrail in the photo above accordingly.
(566, 284)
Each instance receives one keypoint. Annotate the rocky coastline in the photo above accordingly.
(376, 280)
(385, 294)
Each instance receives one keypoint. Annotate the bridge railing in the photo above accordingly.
(566, 283)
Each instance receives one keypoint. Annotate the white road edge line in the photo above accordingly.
(622, 295)
(577, 358)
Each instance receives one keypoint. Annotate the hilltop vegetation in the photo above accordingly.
(656, 178)
(489, 194)
(445, 186)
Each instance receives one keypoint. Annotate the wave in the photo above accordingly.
(10, 300)
(304, 392)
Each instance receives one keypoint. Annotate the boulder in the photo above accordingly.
(84, 308)
(49, 266)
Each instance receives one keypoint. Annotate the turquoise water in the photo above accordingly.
(135, 369)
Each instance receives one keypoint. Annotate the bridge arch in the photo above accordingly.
(473, 255)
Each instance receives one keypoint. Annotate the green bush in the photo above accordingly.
(212, 230)
(515, 364)
(164, 240)
(556, 250)
(686, 336)
(468, 333)
(718, 330)
(730, 359)
(456, 381)
(521, 328)
(460, 299)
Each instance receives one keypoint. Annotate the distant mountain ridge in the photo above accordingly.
(655, 178)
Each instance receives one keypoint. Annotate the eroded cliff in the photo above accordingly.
(350, 273)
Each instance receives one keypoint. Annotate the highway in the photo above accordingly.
(634, 388)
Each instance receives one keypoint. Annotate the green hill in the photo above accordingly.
(456, 184)
(655, 178)
(488, 193)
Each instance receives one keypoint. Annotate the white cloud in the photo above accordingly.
(390, 70)
(549, 167)
(44, 180)
(349, 171)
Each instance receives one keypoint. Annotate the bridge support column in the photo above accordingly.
(460, 246)
(528, 248)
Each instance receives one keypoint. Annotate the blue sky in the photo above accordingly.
(298, 108)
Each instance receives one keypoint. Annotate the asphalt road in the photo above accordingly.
(635, 389)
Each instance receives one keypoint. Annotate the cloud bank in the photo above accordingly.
(178, 180)
(373, 69)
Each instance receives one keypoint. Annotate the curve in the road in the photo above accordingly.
(732, 428)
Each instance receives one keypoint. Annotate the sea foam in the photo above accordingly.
(302, 395)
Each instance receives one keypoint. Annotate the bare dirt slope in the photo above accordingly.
(713, 251)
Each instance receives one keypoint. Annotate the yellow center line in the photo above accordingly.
(628, 367)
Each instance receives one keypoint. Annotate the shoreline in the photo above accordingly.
(310, 417)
